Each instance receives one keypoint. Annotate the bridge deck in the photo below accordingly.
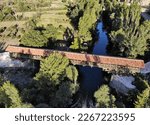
(79, 57)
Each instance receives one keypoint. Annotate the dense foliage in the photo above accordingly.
(103, 97)
(6, 13)
(84, 15)
(36, 36)
(143, 96)
(55, 83)
(10, 98)
(129, 37)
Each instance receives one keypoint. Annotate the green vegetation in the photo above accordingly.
(6, 13)
(34, 38)
(10, 98)
(30, 5)
(84, 17)
(143, 96)
(143, 99)
(48, 24)
(129, 43)
(28, 14)
(55, 83)
(128, 36)
(103, 97)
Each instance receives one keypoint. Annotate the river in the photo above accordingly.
(92, 77)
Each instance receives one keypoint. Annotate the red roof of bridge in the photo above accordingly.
(78, 56)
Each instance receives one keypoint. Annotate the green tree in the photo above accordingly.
(86, 21)
(143, 96)
(10, 98)
(52, 68)
(6, 13)
(72, 73)
(131, 43)
(34, 38)
(103, 97)
(63, 96)
(52, 32)
(75, 44)
(76, 10)
(8, 10)
(56, 81)
(9, 95)
(123, 16)
(129, 37)
(142, 99)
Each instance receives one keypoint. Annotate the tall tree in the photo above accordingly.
(10, 98)
(76, 11)
(87, 22)
(103, 97)
(57, 81)
(128, 37)
(142, 99)
(34, 38)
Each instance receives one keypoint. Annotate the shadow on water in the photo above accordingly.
(92, 77)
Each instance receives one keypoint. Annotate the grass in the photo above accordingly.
(55, 15)
(11, 23)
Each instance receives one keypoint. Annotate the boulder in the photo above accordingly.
(6, 61)
(146, 69)
(122, 84)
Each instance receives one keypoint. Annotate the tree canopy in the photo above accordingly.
(85, 13)
(10, 98)
(34, 38)
(143, 96)
(55, 83)
(129, 38)
(103, 97)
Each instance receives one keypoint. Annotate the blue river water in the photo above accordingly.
(92, 77)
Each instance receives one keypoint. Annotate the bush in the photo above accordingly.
(7, 13)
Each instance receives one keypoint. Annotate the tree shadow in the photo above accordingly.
(2, 46)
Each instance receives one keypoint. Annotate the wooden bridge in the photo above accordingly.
(107, 63)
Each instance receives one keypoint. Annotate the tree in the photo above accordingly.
(76, 11)
(52, 68)
(103, 97)
(143, 97)
(128, 37)
(131, 43)
(9, 95)
(52, 32)
(75, 44)
(8, 10)
(63, 96)
(72, 73)
(56, 81)
(87, 15)
(34, 38)
(123, 16)
(10, 98)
